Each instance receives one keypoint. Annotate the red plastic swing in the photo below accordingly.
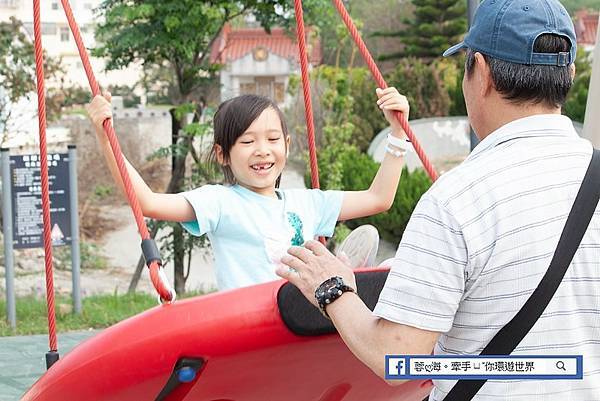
(264, 342)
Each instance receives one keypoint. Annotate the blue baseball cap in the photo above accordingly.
(507, 30)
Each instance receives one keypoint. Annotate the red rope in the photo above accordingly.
(382, 84)
(308, 114)
(39, 68)
(310, 127)
(160, 284)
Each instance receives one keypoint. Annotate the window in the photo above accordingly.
(264, 86)
(55, 5)
(248, 88)
(279, 92)
(9, 3)
(64, 34)
(47, 28)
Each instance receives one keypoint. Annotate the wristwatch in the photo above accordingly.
(330, 290)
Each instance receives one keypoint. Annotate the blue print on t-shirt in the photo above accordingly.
(296, 223)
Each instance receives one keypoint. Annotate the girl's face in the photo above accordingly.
(258, 156)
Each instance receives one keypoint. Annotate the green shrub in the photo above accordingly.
(423, 85)
(576, 101)
(91, 257)
(358, 171)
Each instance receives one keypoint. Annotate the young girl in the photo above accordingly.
(249, 221)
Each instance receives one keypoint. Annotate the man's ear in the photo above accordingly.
(484, 75)
(573, 70)
(288, 143)
(219, 154)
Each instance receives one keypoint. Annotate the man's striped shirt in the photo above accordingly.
(478, 244)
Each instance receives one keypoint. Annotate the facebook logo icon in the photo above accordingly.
(395, 367)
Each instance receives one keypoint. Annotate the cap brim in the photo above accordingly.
(454, 49)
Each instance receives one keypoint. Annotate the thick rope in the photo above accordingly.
(310, 127)
(308, 114)
(158, 278)
(382, 84)
(39, 68)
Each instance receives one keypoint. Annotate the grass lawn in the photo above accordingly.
(98, 311)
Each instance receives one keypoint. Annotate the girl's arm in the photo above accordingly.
(380, 196)
(170, 207)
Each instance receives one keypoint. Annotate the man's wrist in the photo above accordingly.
(329, 291)
(333, 308)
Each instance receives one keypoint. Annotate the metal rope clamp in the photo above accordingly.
(152, 254)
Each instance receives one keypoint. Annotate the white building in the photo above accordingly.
(256, 62)
(58, 41)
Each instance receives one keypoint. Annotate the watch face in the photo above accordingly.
(329, 286)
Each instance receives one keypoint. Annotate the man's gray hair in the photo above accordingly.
(521, 84)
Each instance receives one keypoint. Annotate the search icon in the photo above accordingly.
(560, 365)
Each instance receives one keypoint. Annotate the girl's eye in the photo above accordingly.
(246, 142)
(274, 139)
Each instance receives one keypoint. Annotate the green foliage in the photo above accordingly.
(357, 172)
(98, 311)
(452, 70)
(343, 129)
(130, 99)
(339, 235)
(17, 74)
(91, 257)
(179, 34)
(345, 106)
(576, 102)
(423, 85)
(17, 63)
(75, 96)
(575, 5)
(391, 224)
(436, 25)
(102, 191)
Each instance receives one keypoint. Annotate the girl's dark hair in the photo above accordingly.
(232, 119)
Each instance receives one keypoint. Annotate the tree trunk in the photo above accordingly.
(176, 185)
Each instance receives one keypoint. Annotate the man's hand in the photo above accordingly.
(311, 265)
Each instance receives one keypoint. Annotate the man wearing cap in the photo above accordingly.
(480, 240)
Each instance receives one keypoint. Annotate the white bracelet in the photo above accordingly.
(395, 152)
(398, 142)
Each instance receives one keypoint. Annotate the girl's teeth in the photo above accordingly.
(262, 166)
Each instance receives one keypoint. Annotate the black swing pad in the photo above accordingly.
(304, 319)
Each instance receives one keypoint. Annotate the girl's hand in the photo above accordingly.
(391, 101)
(99, 110)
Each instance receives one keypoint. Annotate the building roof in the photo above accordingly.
(233, 44)
(586, 26)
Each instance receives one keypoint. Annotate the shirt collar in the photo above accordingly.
(527, 127)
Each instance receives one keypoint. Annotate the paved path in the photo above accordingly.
(23, 360)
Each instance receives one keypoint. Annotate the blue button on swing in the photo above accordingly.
(186, 374)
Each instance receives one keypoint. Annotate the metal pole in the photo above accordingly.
(73, 207)
(471, 8)
(7, 227)
(591, 126)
